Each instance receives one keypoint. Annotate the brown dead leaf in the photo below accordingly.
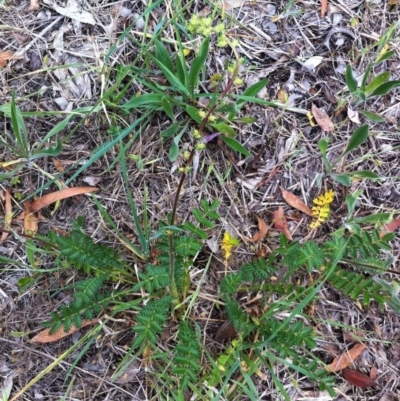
(281, 224)
(34, 6)
(348, 357)
(390, 227)
(225, 331)
(358, 379)
(263, 230)
(30, 219)
(58, 165)
(45, 336)
(4, 57)
(59, 195)
(283, 96)
(295, 202)
(322, 118)
(324, 7)
(374, 372)
(8, 214)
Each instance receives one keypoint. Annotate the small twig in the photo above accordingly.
(22, 51)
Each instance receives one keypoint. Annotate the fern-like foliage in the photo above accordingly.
(205, 216)
(151, 321)
(186, 361)
(88, 302)
(79, 250)
(356, 286)
(155, 278)
(297, 255)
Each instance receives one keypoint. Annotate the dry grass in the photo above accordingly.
(61, 65)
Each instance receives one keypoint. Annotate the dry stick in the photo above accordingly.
(173, 288)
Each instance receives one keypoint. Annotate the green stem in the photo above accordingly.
(173, 286)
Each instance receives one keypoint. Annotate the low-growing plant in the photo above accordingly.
(372, 86)
(278, 329)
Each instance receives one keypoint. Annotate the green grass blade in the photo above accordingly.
(251, 91)
(19, 128)
(351, 82)
(108, 145)
(197, 65)
(139, 231)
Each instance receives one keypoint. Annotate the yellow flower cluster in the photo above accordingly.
(321, 208)
(203, 26)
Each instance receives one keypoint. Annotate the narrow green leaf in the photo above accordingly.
(228, 108)
(384, 56)
(351, 202)
(245, 120)
(377, 81)
(174, 149)
(163, 56)
(253, 90)
(235, 145)
(19, 127)
(372, 116)
(166, 104)
(194, 113)
(224, 129)
(357, 138)
(351, 82)
(170, 131)
(343, 179)
(365, 77)
(150, 100)
(181, 70)
(377, 218)
(197, 65)
(385, 88)
(53, 151)
(323, 145)
(171, 77)
(364, 174)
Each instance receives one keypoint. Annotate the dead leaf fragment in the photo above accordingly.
(390, 227)
(347, 358)
(353, 115)
(45, 336)
(324, 7)
(280, 223)
(8, 214)
(73, 11)
(322, 118)
(358, 379)
(295, 201)
(59, 195)
(4, 57)
(30, 219)
(231, 4)
(58, 165)
(225, 331)
(34, 6)
(263, 230)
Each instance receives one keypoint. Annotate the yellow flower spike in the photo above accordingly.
(321, 210)
(228, 243)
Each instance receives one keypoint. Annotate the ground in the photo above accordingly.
(57, 57)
